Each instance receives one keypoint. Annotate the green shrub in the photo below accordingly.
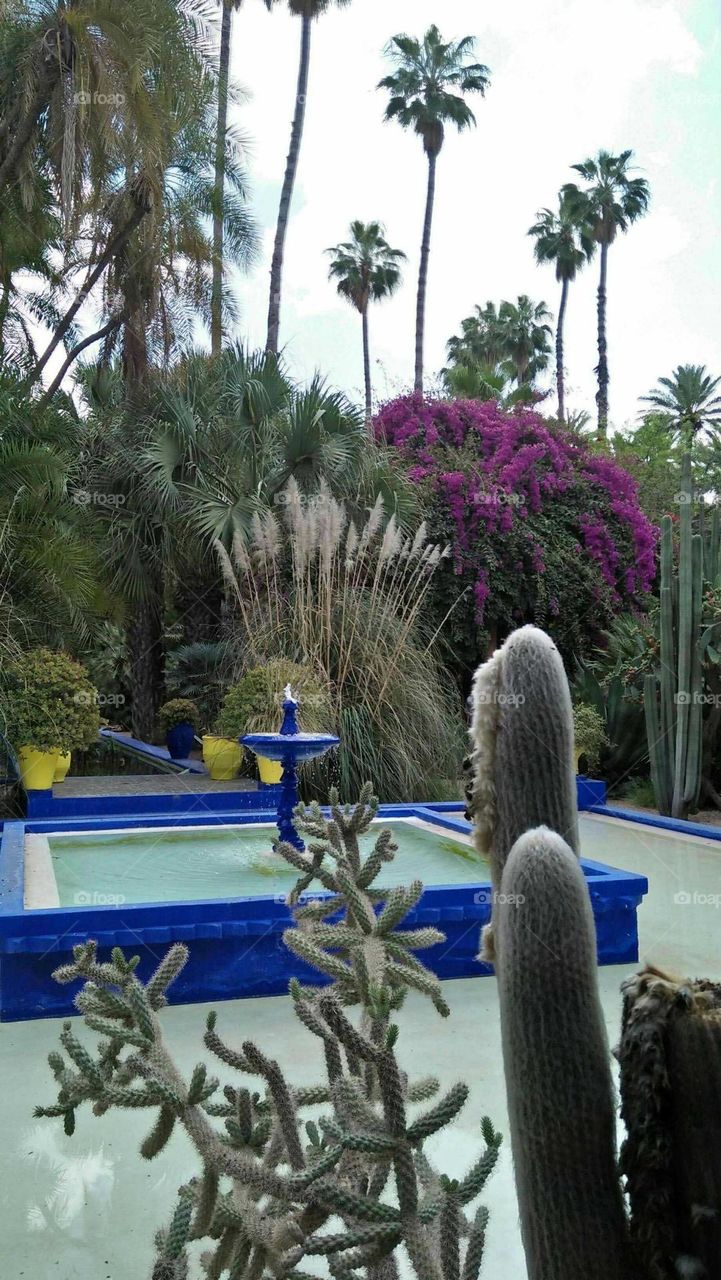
(49, 702)
(178, 711)
(255, 703)
(589, 733)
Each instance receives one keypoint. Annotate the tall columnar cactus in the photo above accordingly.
(556, 1058)
(270, 1185)
(521, 729)
(673, 699)
(558, 1077)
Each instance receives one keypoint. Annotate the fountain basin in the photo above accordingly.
(236, 936)
(287, 749)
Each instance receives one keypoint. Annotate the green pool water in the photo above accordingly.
(97, 868)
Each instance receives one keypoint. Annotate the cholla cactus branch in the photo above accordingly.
(270, 1185)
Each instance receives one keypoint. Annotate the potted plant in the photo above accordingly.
(589, 734)
(50, 709)
(255, 705)
(222, 756)
(179, 720)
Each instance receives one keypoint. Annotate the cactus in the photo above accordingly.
(521, 719)
(673, 698)
(560, 1096)
(557, 1064)
(269, 1184)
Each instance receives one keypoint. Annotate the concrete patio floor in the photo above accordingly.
(85, 1208)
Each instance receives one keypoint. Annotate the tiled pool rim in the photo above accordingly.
(236, 944)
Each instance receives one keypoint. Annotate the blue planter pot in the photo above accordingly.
(180, 740)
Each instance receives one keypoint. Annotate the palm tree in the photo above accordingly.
(426, 91)
(48, 565)
(81, 80)
(689, 402)
(525, 336)
(610, 202)
(481, 341)
(307, 11)
(221, 140)
(479, 381)
(367, 269)
(566, 242)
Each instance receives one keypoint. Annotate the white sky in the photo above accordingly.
(567, 79)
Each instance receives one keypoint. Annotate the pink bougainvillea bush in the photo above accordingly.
(541, 528)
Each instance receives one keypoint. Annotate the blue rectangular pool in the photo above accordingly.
(144, 883)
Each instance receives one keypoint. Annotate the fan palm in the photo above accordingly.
(221, 140)
(525, 337)
(689, 400)
(48, 581)
(426, 91)
(567, 243)
(367, 269)
(307, 11)
(610, 202)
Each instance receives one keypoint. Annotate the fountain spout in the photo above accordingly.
(292, 748)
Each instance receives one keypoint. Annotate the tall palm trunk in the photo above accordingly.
(560, 378)
(216, 299)
(602, 370)
(291, 169)
(423, 270)
(367, 367)
(144, 631)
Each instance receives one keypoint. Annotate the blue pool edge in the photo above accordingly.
(237, 947)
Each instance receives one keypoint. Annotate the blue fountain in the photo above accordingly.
(291, 748)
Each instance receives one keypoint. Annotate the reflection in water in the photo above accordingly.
(70, 1190)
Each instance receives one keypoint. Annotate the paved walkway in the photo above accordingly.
(148, 784)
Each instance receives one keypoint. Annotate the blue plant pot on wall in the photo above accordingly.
(180, 740)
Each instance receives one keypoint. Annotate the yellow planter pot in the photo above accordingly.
(62, 764)
(222, 757)
(270, 770)
(37, 768)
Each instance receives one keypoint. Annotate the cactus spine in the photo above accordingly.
(673, 699)
(522, 727)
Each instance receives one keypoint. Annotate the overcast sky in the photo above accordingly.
(567, 79)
